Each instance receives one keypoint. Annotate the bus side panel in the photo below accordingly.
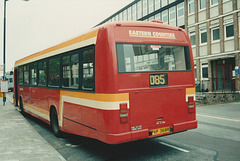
(105, 66)
(25, 94)
(80, 120)
(37, 101)
(109, 122)
(111, 130)
(42, 97)
(45, 98)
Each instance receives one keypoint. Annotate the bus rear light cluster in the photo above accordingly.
(123, 113)
(191, 104)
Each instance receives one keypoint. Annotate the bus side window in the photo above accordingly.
(33, 74)
(88, 80)
(26, 75)
(20, 75)
(42, 73)
(70, 71)
(54, 72)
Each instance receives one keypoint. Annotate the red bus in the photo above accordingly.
(120, 82)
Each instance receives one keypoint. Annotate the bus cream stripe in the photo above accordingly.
(61, 50)
(93, 104)
(89, 103)
(191, 95)
(97, 96)
(37, 112)
(36, 108)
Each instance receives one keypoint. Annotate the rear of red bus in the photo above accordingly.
(152, 63)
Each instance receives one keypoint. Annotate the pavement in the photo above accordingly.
(19, 141)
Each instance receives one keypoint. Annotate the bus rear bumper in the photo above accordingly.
(114, 138)
(185, 126)
(141, 134)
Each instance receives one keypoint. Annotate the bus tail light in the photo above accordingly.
(191, 104)
(123, 113)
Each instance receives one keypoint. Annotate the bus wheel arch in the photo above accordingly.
(54, 122)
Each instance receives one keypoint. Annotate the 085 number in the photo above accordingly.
(158, 79)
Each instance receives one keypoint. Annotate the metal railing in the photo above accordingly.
(222, 85)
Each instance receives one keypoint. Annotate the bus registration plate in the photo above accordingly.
(163, 130)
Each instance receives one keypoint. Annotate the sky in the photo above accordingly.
(36, 25)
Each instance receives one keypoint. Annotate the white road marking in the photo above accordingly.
(172, 146)
(218, 117)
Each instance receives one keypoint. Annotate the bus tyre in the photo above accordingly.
(21, 107)
(54, 123)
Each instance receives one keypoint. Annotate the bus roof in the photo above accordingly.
(88, 39)
(80, 41)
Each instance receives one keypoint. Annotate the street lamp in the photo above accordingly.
(4, 47)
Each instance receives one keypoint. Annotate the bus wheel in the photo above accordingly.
(21, 107)
(54, 123)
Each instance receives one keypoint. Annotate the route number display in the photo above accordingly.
(158, 79)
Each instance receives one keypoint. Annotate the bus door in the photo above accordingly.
(15, 86)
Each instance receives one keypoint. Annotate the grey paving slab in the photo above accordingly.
(19, 141)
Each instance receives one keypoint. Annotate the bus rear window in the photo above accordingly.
(152, 57)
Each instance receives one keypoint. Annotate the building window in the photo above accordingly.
(120, 16)
(134, 12)
(164, 2)
(129, 10)
(202, 4)
(180, 14)
(157, 4)
(158, 17)
(165, 16)
(171, 1)
(172, 16)
(192, 38)
(151, 18)
(180, 9)
(204, 70)
(145, 7)
(116, 18)
(203, 35)
(190, 6)
(215, 34)
(139, 10)
(125, 15)
(151, 6)
(229, 29)
(214, 2)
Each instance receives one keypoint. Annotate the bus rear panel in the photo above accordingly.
(153, 64)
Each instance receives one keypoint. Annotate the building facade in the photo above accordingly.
(214, 31)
